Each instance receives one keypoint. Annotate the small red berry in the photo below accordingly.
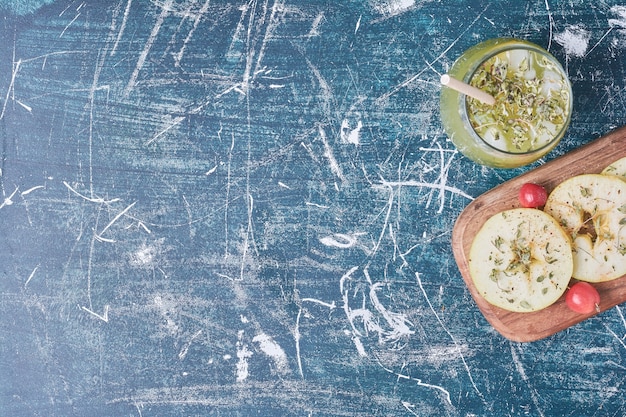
(532, 195)
(583, 298)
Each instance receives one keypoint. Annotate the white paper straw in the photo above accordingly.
(467, 89)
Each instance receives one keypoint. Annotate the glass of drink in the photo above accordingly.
(531, 107)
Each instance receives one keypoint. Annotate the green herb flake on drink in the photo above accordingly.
(532, 101)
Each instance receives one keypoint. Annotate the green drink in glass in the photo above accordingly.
(531, 108)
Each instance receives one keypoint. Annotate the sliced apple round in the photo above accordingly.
(592, 210)
(617, 168)
(521, 260)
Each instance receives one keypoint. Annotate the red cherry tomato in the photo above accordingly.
(583, 298)
(532, 195)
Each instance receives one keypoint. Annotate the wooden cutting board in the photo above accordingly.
(527, 327)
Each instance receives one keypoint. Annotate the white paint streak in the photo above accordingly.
(620, 22)
(183, 352)
(199, 15)
(116, 218)
(399, 323)
(620, 340)
(597, 350)
(393, 7)
(30, 190)
(297, 336)
(390, 327)
(359, 346)
(25, 106)
(551, 23)
(104, 317)
(621, 315)
(326, 92)
(599, 41)
(145, 256)
(409, 407)
(165, 10)
(339, 240)
(412, 183)
(419, 382)
(248, 235)
(32, 274)
(69, 24)
(351, 134)
(172, 122)
(144, 227)
(243, 354)
(322, 206)
(16, 68)
(272, 349)
(320, 302)
(441, 354)
(315, 26)
(90, 199)
(8, 201)
(328, 153)
(122, 28)
(575, 40)
(442, 179)
(272, 24)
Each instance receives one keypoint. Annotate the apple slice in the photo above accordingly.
(521, 260)
(617, 168)
(592, 210)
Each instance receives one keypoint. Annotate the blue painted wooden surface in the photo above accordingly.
(234, 208)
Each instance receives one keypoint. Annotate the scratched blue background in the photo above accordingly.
(234, 208)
